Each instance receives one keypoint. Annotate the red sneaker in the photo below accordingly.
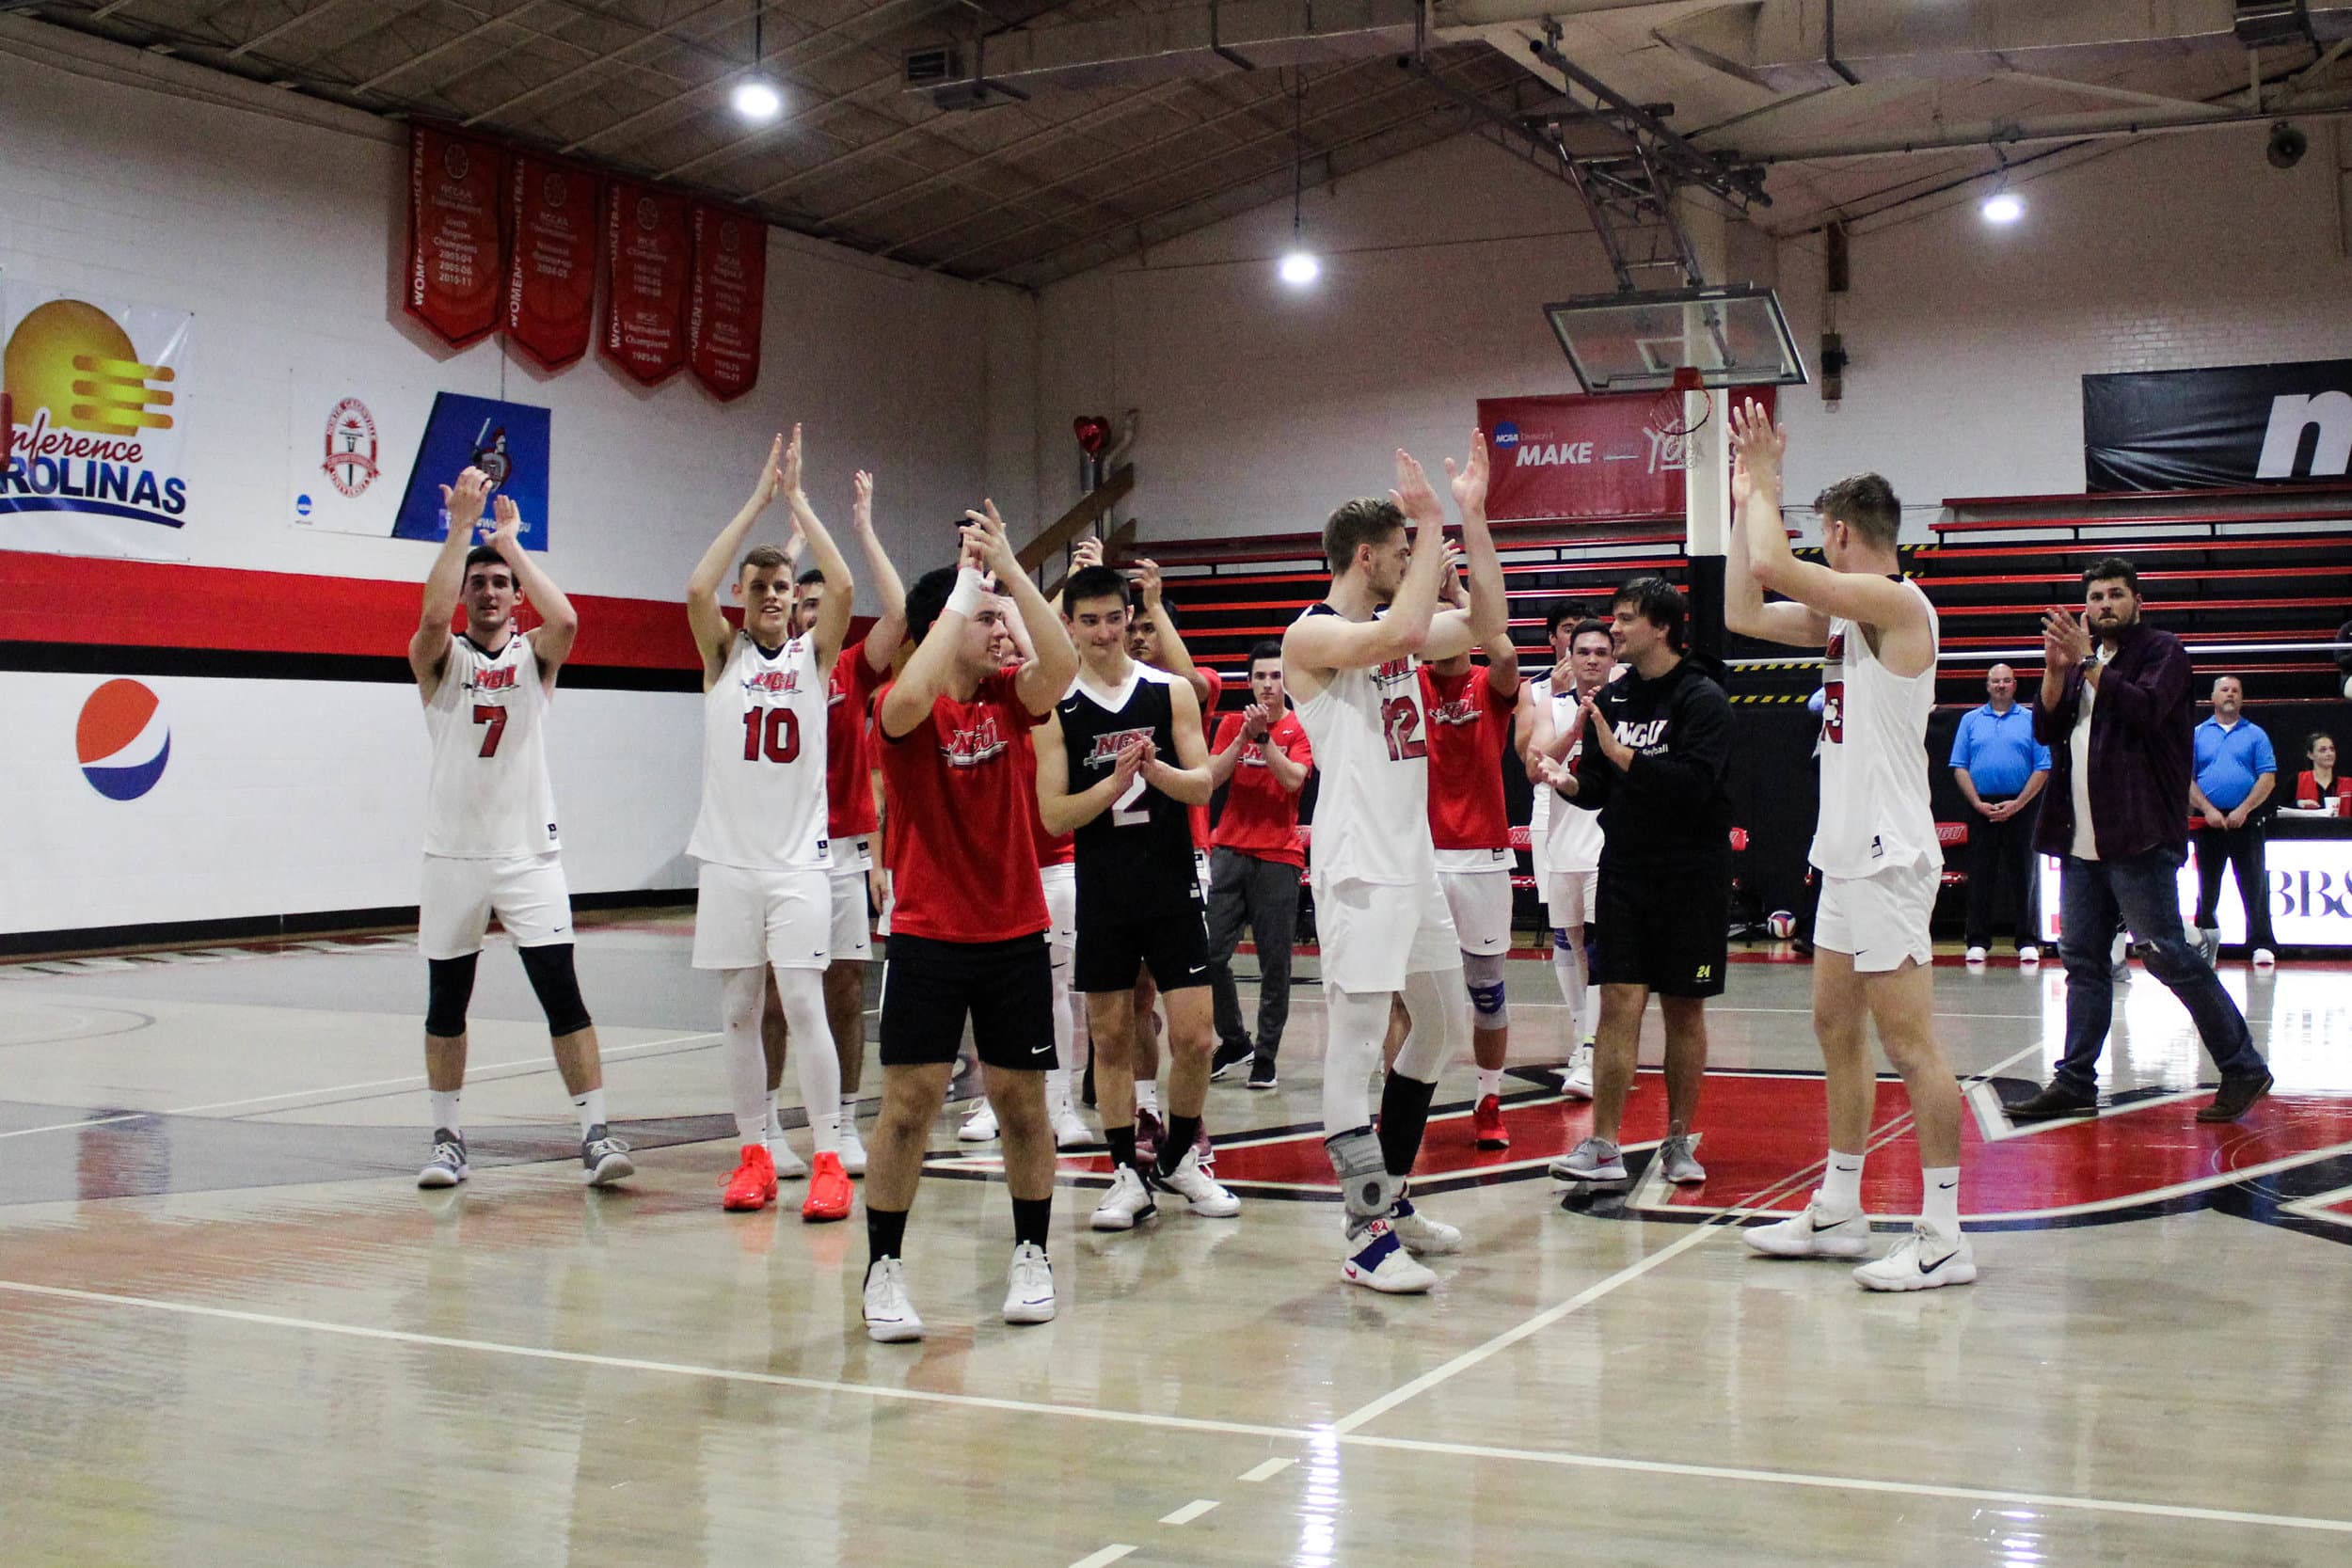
(828, 1192)
(754, 1183)
(1487, 1123)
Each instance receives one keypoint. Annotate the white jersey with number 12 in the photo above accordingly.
(1370, 739)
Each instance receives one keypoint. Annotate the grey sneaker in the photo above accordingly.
(603, 1158)
(448, 1165)
(1593, 1160)
(1675, 1161)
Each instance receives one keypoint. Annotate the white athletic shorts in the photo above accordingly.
(851, 937)
(1374, 934)
(745, 918)
(526, 891)
(1881, 919)
(1568, 897)
(1061, 910)
(1480, 902)
(1201, 874)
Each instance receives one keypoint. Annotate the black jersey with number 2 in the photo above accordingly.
(1137, 854)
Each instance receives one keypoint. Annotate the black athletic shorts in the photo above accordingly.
(1664, 928)
(1007, 988)
(1115, 947)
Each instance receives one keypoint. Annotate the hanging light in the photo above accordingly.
(2003, 206)
(756, 98)
(1299, 266)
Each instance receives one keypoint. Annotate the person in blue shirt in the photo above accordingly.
(2236, 771)
(2000, 769)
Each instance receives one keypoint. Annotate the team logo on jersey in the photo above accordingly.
(1834, 690)
(497, 677)
(972, 747)
(1461, 710)
(1111, 742)
(786, 681)
(1392, 672)
(121, 740)
(1647, 736)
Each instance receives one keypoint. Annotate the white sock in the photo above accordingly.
(1490, 1082)
(1940, 1206)
(824, 1129)
(1147, 1095)
(1592, 1012)
(591, 1109)
(445, 1109)
(1841, 1183)
(1567, 968)
(772, 1130)
(1057, 1091)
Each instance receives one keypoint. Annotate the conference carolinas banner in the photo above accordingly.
(93, 423)
(649, 258)
(456, 255)
(551, 273)
(1576, 457)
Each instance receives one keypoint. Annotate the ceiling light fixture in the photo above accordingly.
(756, 98)
(2003, 206)
(1299, 267)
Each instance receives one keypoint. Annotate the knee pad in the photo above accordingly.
(448, 987)
(1365, 1184)
(1482, 974)
(549, 971)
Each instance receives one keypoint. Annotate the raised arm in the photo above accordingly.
(1488, 625)
(840, 598)
(890, 627)
(712, 632)
(1758, 556)
(1045, 677)
(1187, 779)
(909, 700)
(1332, 643)
(558, 622)
(1174, 656)
(428, 645)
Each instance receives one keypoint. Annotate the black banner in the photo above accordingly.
(2228, 428)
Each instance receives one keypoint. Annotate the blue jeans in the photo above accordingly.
(2092, 896)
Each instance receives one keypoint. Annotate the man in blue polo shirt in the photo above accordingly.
(2235, 774)
(2001, 768)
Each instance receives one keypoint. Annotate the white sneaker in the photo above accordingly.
(1070, 1129)
(1593, 1160)
(1920, 1261)
(889, 1315)
(1975, 956)
(789, 1166)
(2029, 954)
(1421, 1235)
(1575, 1081)
(1201, 1195)
(1128, 1201)
(1677, 1164)
(448, 1165)
(979, 1127)
(1029, 1286)
(853, 1148)
(2264, 958)
(1814, 1233)
(1376, 1258)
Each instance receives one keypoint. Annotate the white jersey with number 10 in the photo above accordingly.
(763, 805)
(1370, 741)
(489, 796)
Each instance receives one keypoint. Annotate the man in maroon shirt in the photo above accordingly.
(1261, 759)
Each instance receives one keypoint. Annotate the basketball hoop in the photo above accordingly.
(1671, 412)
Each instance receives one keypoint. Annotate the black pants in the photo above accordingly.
(2242, 847)
(2002, 885)
(1266, 894)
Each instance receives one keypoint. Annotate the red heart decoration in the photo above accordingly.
(1093, 431)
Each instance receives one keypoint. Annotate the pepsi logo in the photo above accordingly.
(1506, 434)
(122, 741)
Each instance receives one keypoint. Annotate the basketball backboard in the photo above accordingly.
(1732, 336)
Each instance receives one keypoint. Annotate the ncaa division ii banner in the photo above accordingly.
(1578, 457)
(93, 409)
(2230, 427)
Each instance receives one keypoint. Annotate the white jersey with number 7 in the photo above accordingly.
(488, 797)
(1370, 740)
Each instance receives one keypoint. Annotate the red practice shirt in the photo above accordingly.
(1200, 836)
(848, 744)
(963, 862)
(1469, 722)
(2307, 792)
(1260, 816)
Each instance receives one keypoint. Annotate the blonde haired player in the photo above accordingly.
(764, 899)
(1876, 846)
(490, 844)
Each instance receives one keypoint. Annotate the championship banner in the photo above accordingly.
(551, 260)
(649, 256)
(2228, 428)
(730, 295)
(509, 441)
(93, 415)
(455, 262)
(1575, 458)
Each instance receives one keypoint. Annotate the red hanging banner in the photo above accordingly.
(730, 293)
(1574, 457)
(551, 268)
(649, 257)
(456, 263)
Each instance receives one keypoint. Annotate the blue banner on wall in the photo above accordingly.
(509, 441)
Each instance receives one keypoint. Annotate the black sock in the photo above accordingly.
(886, 1232)
(1173, 1147)
(1122, 1142)
(1403, 1112)
(1031, 1218)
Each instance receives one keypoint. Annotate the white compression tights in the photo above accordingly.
(802, 992)
(1070, 1027)
(1576, 988)
(1358, 1021)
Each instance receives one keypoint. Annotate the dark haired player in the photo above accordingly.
(1567, 841)
(490, 844)
(1104, 775)
(968, 920)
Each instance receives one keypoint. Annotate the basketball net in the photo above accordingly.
(1673, 412)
